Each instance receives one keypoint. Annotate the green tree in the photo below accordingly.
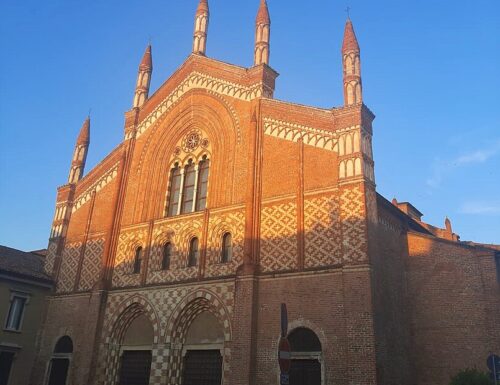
(471, 377)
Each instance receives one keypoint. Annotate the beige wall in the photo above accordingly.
(23, 341)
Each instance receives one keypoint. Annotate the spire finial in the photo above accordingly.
(144, 78)
(80, 153)
(201, 28)
(262, 35)
(352, 66)
(348, 11)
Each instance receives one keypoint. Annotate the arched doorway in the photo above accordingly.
(306, 357)
(203, 351)
(60, 363)
(135, 352)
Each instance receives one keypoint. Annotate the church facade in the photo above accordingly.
(173, 255)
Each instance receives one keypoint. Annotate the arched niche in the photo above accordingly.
(139, 333)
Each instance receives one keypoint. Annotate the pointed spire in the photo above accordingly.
(84, 136)
(351, 60)
(447, 224)
(147, 60)
(350, 41)
(202, 7)
(201, 28)
(143, 78)
(262, 35)
(80, 153)
(263, 13)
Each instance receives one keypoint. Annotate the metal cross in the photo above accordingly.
(348, 11)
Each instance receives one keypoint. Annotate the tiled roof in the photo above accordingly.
(21, 263)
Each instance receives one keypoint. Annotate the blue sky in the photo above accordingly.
(430, 74)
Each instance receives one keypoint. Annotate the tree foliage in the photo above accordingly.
(471, 377)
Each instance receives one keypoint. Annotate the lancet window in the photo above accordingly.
(194, 252)
(188, 187)
(227, 248)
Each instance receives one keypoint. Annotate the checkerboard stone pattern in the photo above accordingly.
(279, 237)
(170, 310)
(322, 231)
(352, 214)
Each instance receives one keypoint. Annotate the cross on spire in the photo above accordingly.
(348, 11)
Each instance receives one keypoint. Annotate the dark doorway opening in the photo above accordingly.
(6, 359)
(202, 367)
(305, 372)
(58, 371)
(135, 367)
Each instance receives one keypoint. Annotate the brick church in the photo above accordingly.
(172, 256)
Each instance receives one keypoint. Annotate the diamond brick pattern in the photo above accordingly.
(323, 238)
(50, 258)
(92, 262)
(219, 225)
(279, 237)
(128, 242)
(178, 233)
(69, 267)
(352, 209)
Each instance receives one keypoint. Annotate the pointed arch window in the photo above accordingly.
(137, 260)
(201, 199)
(188, 188)
(175, 190)
(167, 255)
(194, 252)
(227, 248)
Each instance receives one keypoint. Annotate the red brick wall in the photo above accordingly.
(75, 317)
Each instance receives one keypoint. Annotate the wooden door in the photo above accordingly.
(202, 367)
(135, 367)
(305, 372)
(58, 371)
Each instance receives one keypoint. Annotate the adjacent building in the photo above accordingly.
(23, 288)
(173, 255)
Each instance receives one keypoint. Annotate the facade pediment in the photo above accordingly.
(201, 73)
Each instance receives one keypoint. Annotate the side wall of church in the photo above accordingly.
(390, 293)
(454, 306)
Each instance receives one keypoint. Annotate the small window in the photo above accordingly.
(138, 260)
(227, 248)
(167, 254)
(64, 345)
(193, 252)
(16, 312)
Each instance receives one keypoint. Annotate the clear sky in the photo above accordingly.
(430, 74)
